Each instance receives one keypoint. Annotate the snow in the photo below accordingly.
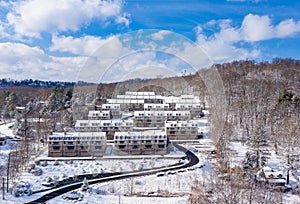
(170, 188)
(174, 187)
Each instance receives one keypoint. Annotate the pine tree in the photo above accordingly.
(258, 143)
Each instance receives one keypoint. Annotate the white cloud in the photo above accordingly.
(31, 17)
(124, 19)
(20, 61)
(287, 28)
(160, 35)
(85, 45)
(256, 28)
(222, 45)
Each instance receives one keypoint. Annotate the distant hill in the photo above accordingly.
(39, 83)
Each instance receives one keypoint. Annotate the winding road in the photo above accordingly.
(193, 160)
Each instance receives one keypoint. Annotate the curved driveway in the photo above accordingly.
(193, 160)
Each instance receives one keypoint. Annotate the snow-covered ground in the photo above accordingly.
(174, 187)
(71, 168)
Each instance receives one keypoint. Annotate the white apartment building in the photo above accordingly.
(72, 144)
(182, 130)
(144, 142)
(115, 109)
(99, 115)
(158, 118)
(107, 126)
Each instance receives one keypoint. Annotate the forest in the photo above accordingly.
(261, 108)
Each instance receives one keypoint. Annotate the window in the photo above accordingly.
(148, 146)
(56, 148)
(98, 147)
(135, 147)
(161, 146)
(70, 147)
(121, 146)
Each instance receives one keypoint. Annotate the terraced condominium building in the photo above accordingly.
(76, 144)
(138, 122)
(142, 142)
(107, 126)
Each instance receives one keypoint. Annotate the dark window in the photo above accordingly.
(56, 148)
(121, 146)
(70, 147)
(148, 146)
(98, 147)
(161, 146)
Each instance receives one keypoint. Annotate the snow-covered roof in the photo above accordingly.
(162, 113)
(102, 123)
(135, 93)
(155, 105)
(190, 123)
(110, 106)
(149, 134)
(126, 101)
(74, 136)
(95, 113)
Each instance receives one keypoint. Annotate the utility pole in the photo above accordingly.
(7, 173)
(3, 187)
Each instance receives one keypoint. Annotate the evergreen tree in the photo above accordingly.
(259, 153)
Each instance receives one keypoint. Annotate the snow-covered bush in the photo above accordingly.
(296, 188)
(85, 185)
(22, 188)
(56, 163)
(44, 163)
(30, 167)
(37, 171)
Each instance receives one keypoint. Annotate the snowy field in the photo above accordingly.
(62, 169)
(171, 187)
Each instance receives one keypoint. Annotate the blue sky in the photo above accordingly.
(53, 40)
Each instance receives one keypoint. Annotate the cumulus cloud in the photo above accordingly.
(129, 55)
(85, 45)
(223, 44)
(20, 61)
(160, 34)
(257, 28)
(31, 17)
(124, 19)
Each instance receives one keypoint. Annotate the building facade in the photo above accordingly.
(143, 142)
(73, 144)
(107, 126)
(182, 130)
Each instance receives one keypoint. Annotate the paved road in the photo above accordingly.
(193, 160)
